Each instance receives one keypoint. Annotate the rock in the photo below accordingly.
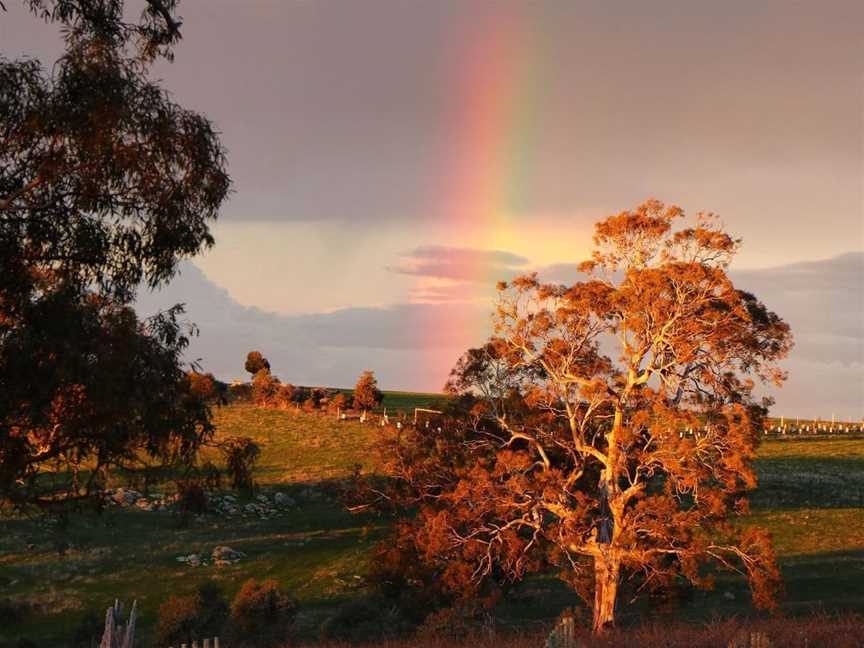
(144, 505)
(125, 497)
(263, 499)
(251, 508)
(226, 555)
(193, 560)
(729, 596)
(281, 499)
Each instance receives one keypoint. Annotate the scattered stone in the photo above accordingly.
(125, 496)
(263, 499)
(226, 554)
(729, 596)
(281, 499)
(193, 560)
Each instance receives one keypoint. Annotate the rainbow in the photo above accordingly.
(488, 164)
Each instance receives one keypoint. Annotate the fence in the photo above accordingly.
(204, 644)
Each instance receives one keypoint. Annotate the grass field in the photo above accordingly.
(810, 497)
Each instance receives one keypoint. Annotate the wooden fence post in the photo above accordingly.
(116, 635)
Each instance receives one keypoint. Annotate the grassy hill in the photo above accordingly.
(811, 497)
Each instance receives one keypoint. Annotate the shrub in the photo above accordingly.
(338, 402)
(11, 614)
(371, 619)
(191, 497)
(241, 453)
(183, 619)
(285, 395)
(240, 392)
(261, 614)
(202, 385)
(211, 476)
(456, 623)
(264, 388)
(88, 632)
(302, 394)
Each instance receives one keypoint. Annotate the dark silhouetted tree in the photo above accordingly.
(105, 183)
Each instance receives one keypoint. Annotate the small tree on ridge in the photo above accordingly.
(366, 392)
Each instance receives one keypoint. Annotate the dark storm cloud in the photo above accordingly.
(350, 111)
(459, 264)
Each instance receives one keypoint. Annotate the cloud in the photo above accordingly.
(413, 346)
(823, 302)
(410, 346)
(457, 263)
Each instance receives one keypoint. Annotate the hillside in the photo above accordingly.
(811, 497)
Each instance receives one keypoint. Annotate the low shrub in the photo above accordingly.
(183, 619)
(370, 619)
(88, 632)
(261, 614)
(191, 497)
(12, 614)
(457, 623)
(240, 454)
(265, 387)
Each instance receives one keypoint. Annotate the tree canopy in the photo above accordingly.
(105, 184)
(366, 392)
(607, 429)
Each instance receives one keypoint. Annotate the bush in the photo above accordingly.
(183, 619)
(338, 402)
(12, 614)
(261, 614)
(371, 619)
(285, 396)
(240, 392)
(202, 386)
(241, 453)
(264, 388)
(210, 475)
(191, 497)
(88, 632)
(456, 623)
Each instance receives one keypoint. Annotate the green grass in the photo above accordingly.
(404, 402)
(809, 498)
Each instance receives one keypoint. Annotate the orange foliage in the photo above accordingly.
(607, 429)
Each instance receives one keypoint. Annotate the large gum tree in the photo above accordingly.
(608, 428)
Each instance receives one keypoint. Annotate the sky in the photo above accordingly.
(393, 159)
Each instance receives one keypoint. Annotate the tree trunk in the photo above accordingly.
(607, 569)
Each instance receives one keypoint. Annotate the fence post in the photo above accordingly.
(215, 642)
(206, 643)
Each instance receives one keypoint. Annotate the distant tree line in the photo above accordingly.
(268, 391)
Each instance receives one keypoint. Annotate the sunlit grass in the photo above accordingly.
(317, 550)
